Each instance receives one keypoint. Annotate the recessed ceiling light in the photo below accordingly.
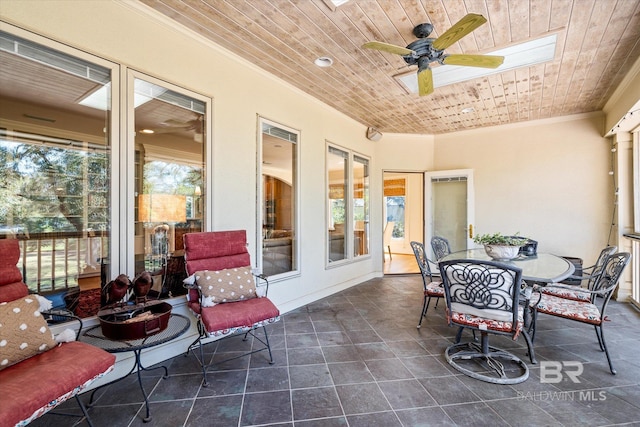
(323, 61)
(467, 110)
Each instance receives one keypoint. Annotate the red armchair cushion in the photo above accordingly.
(216, 250)
(11, 285)
(34, 386)
(238, 315)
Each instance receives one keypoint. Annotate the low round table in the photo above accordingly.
(178, 325)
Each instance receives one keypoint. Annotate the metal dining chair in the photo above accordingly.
(588, 312)
(440, 247)
(431, 288)
(589, 275)
(483, 296)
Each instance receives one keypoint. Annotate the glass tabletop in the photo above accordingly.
(177, 326)
(546, 268)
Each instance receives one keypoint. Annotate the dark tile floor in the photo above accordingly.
(357, 359)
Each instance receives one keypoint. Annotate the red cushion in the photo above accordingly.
(241, 314)
(218, 263)
(37, 382)
(11, 285)
(13, 291)
(216, 250)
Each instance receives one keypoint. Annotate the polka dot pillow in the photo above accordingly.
(229, 285)
(23, 331)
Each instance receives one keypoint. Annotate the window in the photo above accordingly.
(348, 205)
(338, 177)
(394, 202)
(169, 130)
(277, 174)
(55, 163)
(360, 178)
(85, 204)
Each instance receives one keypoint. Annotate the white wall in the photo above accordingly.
(548, 180)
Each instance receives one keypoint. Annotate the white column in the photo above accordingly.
(623, 168)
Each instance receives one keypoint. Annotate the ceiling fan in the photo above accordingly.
(177, 126)
(172, 125)
(426, 50)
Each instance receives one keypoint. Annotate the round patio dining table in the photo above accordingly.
(542, 268)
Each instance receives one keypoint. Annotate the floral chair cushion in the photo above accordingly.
(435, 289)
(577, 310)
(569, 292)
(483, 323)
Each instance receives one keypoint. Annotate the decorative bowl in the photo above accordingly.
(501, 252)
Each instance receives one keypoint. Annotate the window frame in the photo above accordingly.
(128, 191)
(349, 226)
(111, 129)
(119, 129)
(260, 200)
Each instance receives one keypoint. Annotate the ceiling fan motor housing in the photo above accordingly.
(422, 30)
(423, 50)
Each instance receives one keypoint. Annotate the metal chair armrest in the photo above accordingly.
(50, 316)
(265, 280)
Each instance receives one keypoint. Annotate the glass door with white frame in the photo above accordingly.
(449, 204)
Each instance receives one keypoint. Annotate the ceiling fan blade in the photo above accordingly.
(386, 47)
(425, 82)
(460, 29)
(484, 61)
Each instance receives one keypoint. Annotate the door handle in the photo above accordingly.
(471, 231)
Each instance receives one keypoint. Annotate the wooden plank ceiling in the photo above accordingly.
(598, 42)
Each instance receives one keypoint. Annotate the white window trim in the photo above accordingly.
(349, 222)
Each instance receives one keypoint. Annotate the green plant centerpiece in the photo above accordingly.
(500, 247)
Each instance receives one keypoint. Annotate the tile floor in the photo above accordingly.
(357, 359)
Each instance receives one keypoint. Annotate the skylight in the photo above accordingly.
(517, 56)
(334, 4)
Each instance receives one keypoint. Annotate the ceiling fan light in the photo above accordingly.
(323, 61)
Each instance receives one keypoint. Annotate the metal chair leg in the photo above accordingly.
(603, 345)
(425, 307)
(266, 339)
(84, 410)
